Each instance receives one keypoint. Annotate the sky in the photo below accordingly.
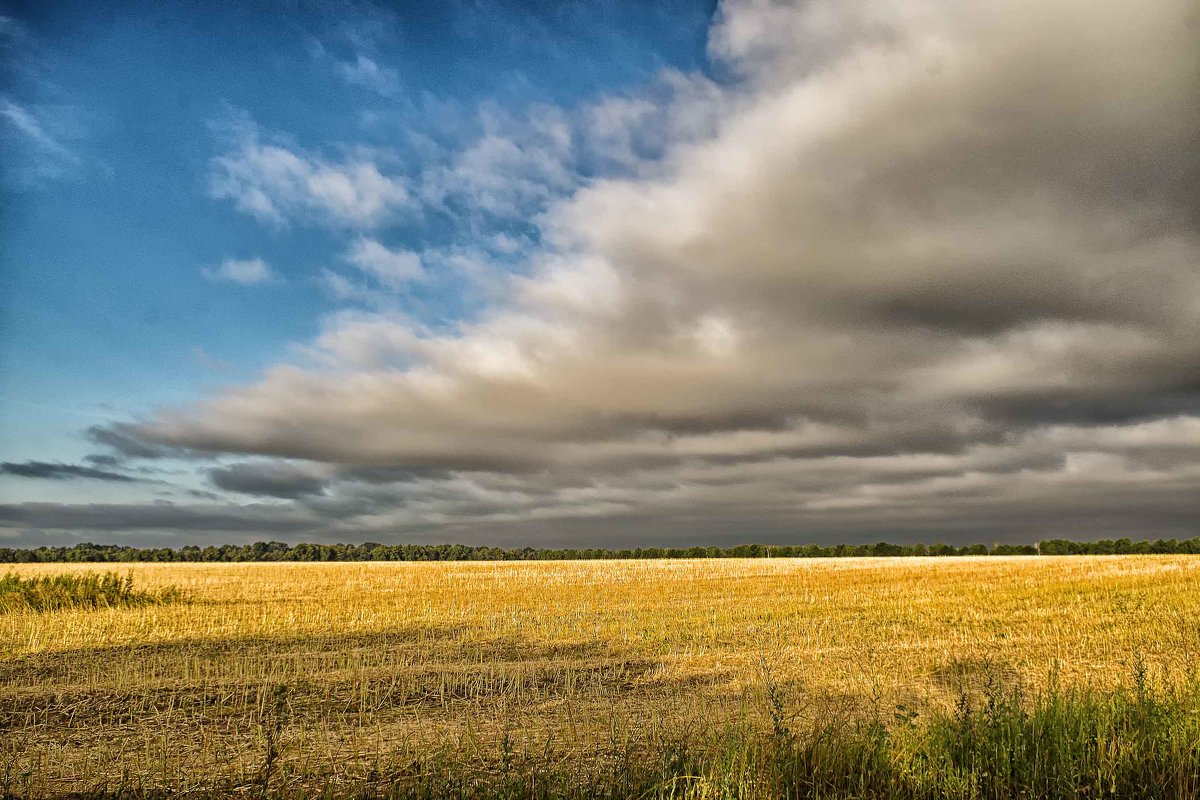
(599, 274)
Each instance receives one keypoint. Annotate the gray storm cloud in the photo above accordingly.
(60, 472)
(268, 480)
(935, 260)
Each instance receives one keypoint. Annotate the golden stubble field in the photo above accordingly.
(347, 666)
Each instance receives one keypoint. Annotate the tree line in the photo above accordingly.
(371, 551)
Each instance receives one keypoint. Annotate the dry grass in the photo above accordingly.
(302, 671)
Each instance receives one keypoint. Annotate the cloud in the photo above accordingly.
(347, 290)
(158, 518)
(1063, 481)
(247, 272)
(367, 340)
(211, 363)
(276, 181)
(633, 131)
(60, 472)
(361, 30)
(124, 439)
(270, 479)
(391, 268)
(25, 122)
(36, 139)
(101, 460)
(920, 268)
(511, 171)
(366, 73)
(41, 130)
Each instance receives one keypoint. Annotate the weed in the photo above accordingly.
(69, 591)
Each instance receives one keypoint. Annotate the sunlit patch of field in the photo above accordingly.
(343, 669)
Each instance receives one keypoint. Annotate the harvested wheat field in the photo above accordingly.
(308, 677)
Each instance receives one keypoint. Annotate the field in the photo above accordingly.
(293, 679)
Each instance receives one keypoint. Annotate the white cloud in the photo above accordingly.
(277, 182)
(24, 121)
(367, 73)
(343, 289)
(40, 148)
(392, 268)
(634, 131)
(512, 170)
(247, 272)
(367, 340)
(211, 363)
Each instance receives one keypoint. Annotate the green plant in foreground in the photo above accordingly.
(86, 591)
(1135, 742)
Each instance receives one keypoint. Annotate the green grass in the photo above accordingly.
(82, 591)
(1130, 743)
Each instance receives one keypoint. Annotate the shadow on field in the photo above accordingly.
(327, 677)
(308, 653)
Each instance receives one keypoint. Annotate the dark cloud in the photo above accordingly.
(158, 517)
(125, 440)
(60, 472)
(1010, 508)
(269, 479)
(392, 475)
(1080, 407)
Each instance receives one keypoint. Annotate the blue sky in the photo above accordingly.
(111, 224)
(598, 274)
